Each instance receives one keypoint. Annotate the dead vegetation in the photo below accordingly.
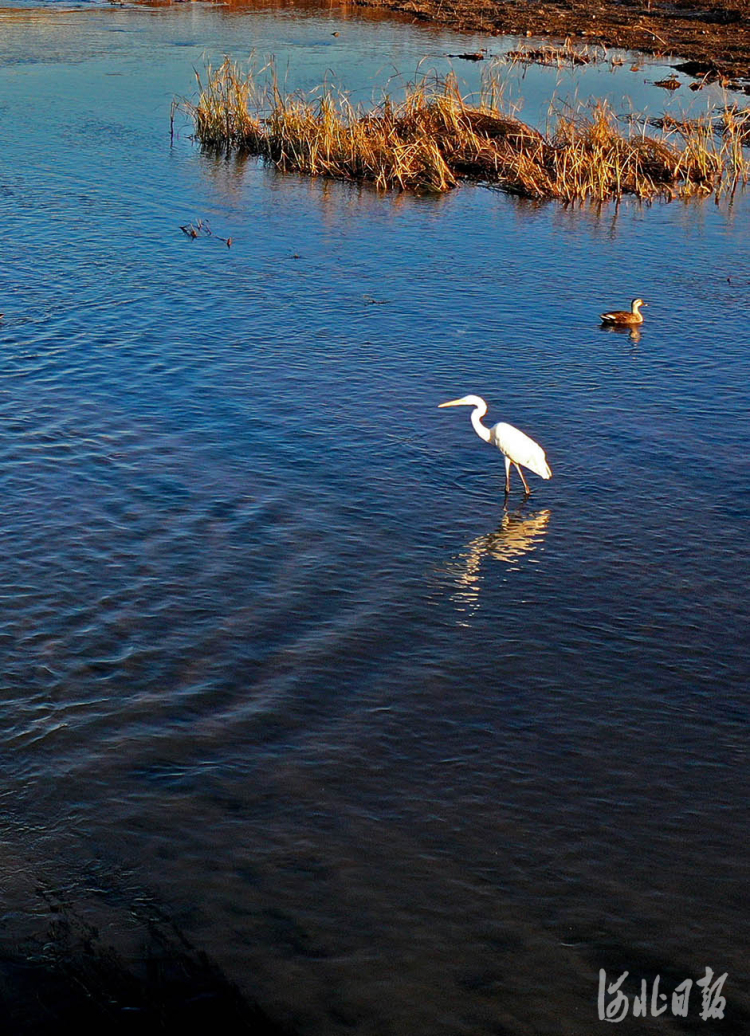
(202, 228)
(434, 137)
(566, 55)
(715, 37)
(670, 83)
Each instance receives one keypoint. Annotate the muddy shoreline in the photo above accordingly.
(714, 38)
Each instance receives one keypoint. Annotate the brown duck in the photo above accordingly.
(622, 318)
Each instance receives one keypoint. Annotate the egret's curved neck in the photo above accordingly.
(476, 419)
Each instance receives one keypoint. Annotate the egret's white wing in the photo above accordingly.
(521, 449)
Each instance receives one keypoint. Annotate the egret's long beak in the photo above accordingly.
(453, 402)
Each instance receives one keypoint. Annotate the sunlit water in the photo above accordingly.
(399, 761)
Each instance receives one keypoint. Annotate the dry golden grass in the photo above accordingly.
(434, 137)
(564, 56)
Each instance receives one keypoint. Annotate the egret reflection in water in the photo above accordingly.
(517, 535)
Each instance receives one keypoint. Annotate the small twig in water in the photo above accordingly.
(193, 231)
(202, 227)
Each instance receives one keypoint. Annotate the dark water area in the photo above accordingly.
(295, 714)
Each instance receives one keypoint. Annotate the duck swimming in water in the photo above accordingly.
(622, 318)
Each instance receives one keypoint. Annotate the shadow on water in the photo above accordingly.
(96, 951)
(69, 975)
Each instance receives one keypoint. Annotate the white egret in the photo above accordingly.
(516, 446)
(621, 316)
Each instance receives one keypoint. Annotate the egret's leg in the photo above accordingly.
(507, 475)
(525, 483)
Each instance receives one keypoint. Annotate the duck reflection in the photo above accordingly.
(517, 535)
(632, 333)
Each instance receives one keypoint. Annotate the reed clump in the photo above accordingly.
(434, 137)
(565, 56)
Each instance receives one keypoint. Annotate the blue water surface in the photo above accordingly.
(399, 759)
